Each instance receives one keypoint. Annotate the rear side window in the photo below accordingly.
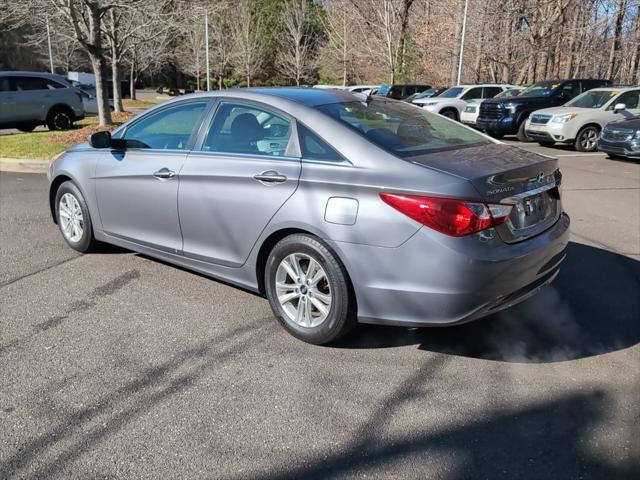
(473, 94)
(167, 129)
(248, 129)
(30, 83)
(314, 148)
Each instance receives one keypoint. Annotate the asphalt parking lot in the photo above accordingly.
(118, 366)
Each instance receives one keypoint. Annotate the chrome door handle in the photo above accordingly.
(164, 173)
(270, 176)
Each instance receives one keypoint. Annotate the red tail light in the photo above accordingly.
(447, 215)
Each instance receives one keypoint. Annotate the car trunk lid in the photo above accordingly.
(507, 175)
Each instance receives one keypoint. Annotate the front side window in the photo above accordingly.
(5, 84)
(402, 129)
(247, 129)
(592, 99)
(472, 94)
(630, 99)
(453, 92)
(167, 129)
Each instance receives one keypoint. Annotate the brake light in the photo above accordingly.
(448, 215)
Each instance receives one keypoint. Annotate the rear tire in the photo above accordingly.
(587, 139)
(59, 118)
(74, 219)
(522, 135)
(308, 289)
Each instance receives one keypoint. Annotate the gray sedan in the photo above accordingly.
(339, 208)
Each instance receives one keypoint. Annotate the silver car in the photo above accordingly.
(339, 208)
(29, 99)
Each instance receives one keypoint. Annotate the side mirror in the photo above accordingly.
(100, 140)
(619, 107)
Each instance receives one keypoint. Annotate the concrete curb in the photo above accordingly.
(23, 165)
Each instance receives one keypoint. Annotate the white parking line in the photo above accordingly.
(594, 154)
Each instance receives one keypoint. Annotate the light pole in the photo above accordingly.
(464, 31)
(49, 43)
(206, 47)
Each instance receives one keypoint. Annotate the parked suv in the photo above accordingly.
(452, 102)
(504, 116)
(29, 99)
(580, 121)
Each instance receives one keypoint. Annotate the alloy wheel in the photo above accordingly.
(303, 290)
(71, 218)
(588, 139)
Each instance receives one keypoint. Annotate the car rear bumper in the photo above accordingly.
(431, 280)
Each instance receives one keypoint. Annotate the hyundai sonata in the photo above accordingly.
(338, 207)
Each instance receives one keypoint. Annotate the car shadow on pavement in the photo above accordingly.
(592, 308)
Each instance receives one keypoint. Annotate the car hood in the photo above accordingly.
(632, 123)
(437, 100)
(564, 110)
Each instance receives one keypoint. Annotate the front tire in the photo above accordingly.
(309, 290)
(587, 139)
(74, 219)
(522, 134)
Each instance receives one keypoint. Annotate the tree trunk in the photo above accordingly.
(132, 80)
(615, 47)
(102, 95)
(117, 87)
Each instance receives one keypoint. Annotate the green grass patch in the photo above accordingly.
(45, 145)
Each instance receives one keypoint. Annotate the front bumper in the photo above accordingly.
(551, 132)
(503, 126)
(433, 280)
(623, 149)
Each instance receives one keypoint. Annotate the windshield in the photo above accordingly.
(541, 88)
(592, 99)
(452, 92)
(401, 128)
(513, 92)
(432, 92)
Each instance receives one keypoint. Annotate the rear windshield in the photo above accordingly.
(591, 99)
(401, 128)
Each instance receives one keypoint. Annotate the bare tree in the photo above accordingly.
(295, 59)
(85, 19)
(248, 39)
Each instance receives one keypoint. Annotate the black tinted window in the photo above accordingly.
(570, 89)
(395, 92)
(167, 129)
(5, 84)
(314, 148)
(490, 92)
(630, 99)
(30, 83)
(248, 129)
(473, 93)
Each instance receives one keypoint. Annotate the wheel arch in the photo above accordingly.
(590, 124)
(59, 106)
(53, 189)
(274, 237)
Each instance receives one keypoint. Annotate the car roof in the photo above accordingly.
(310, 97)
